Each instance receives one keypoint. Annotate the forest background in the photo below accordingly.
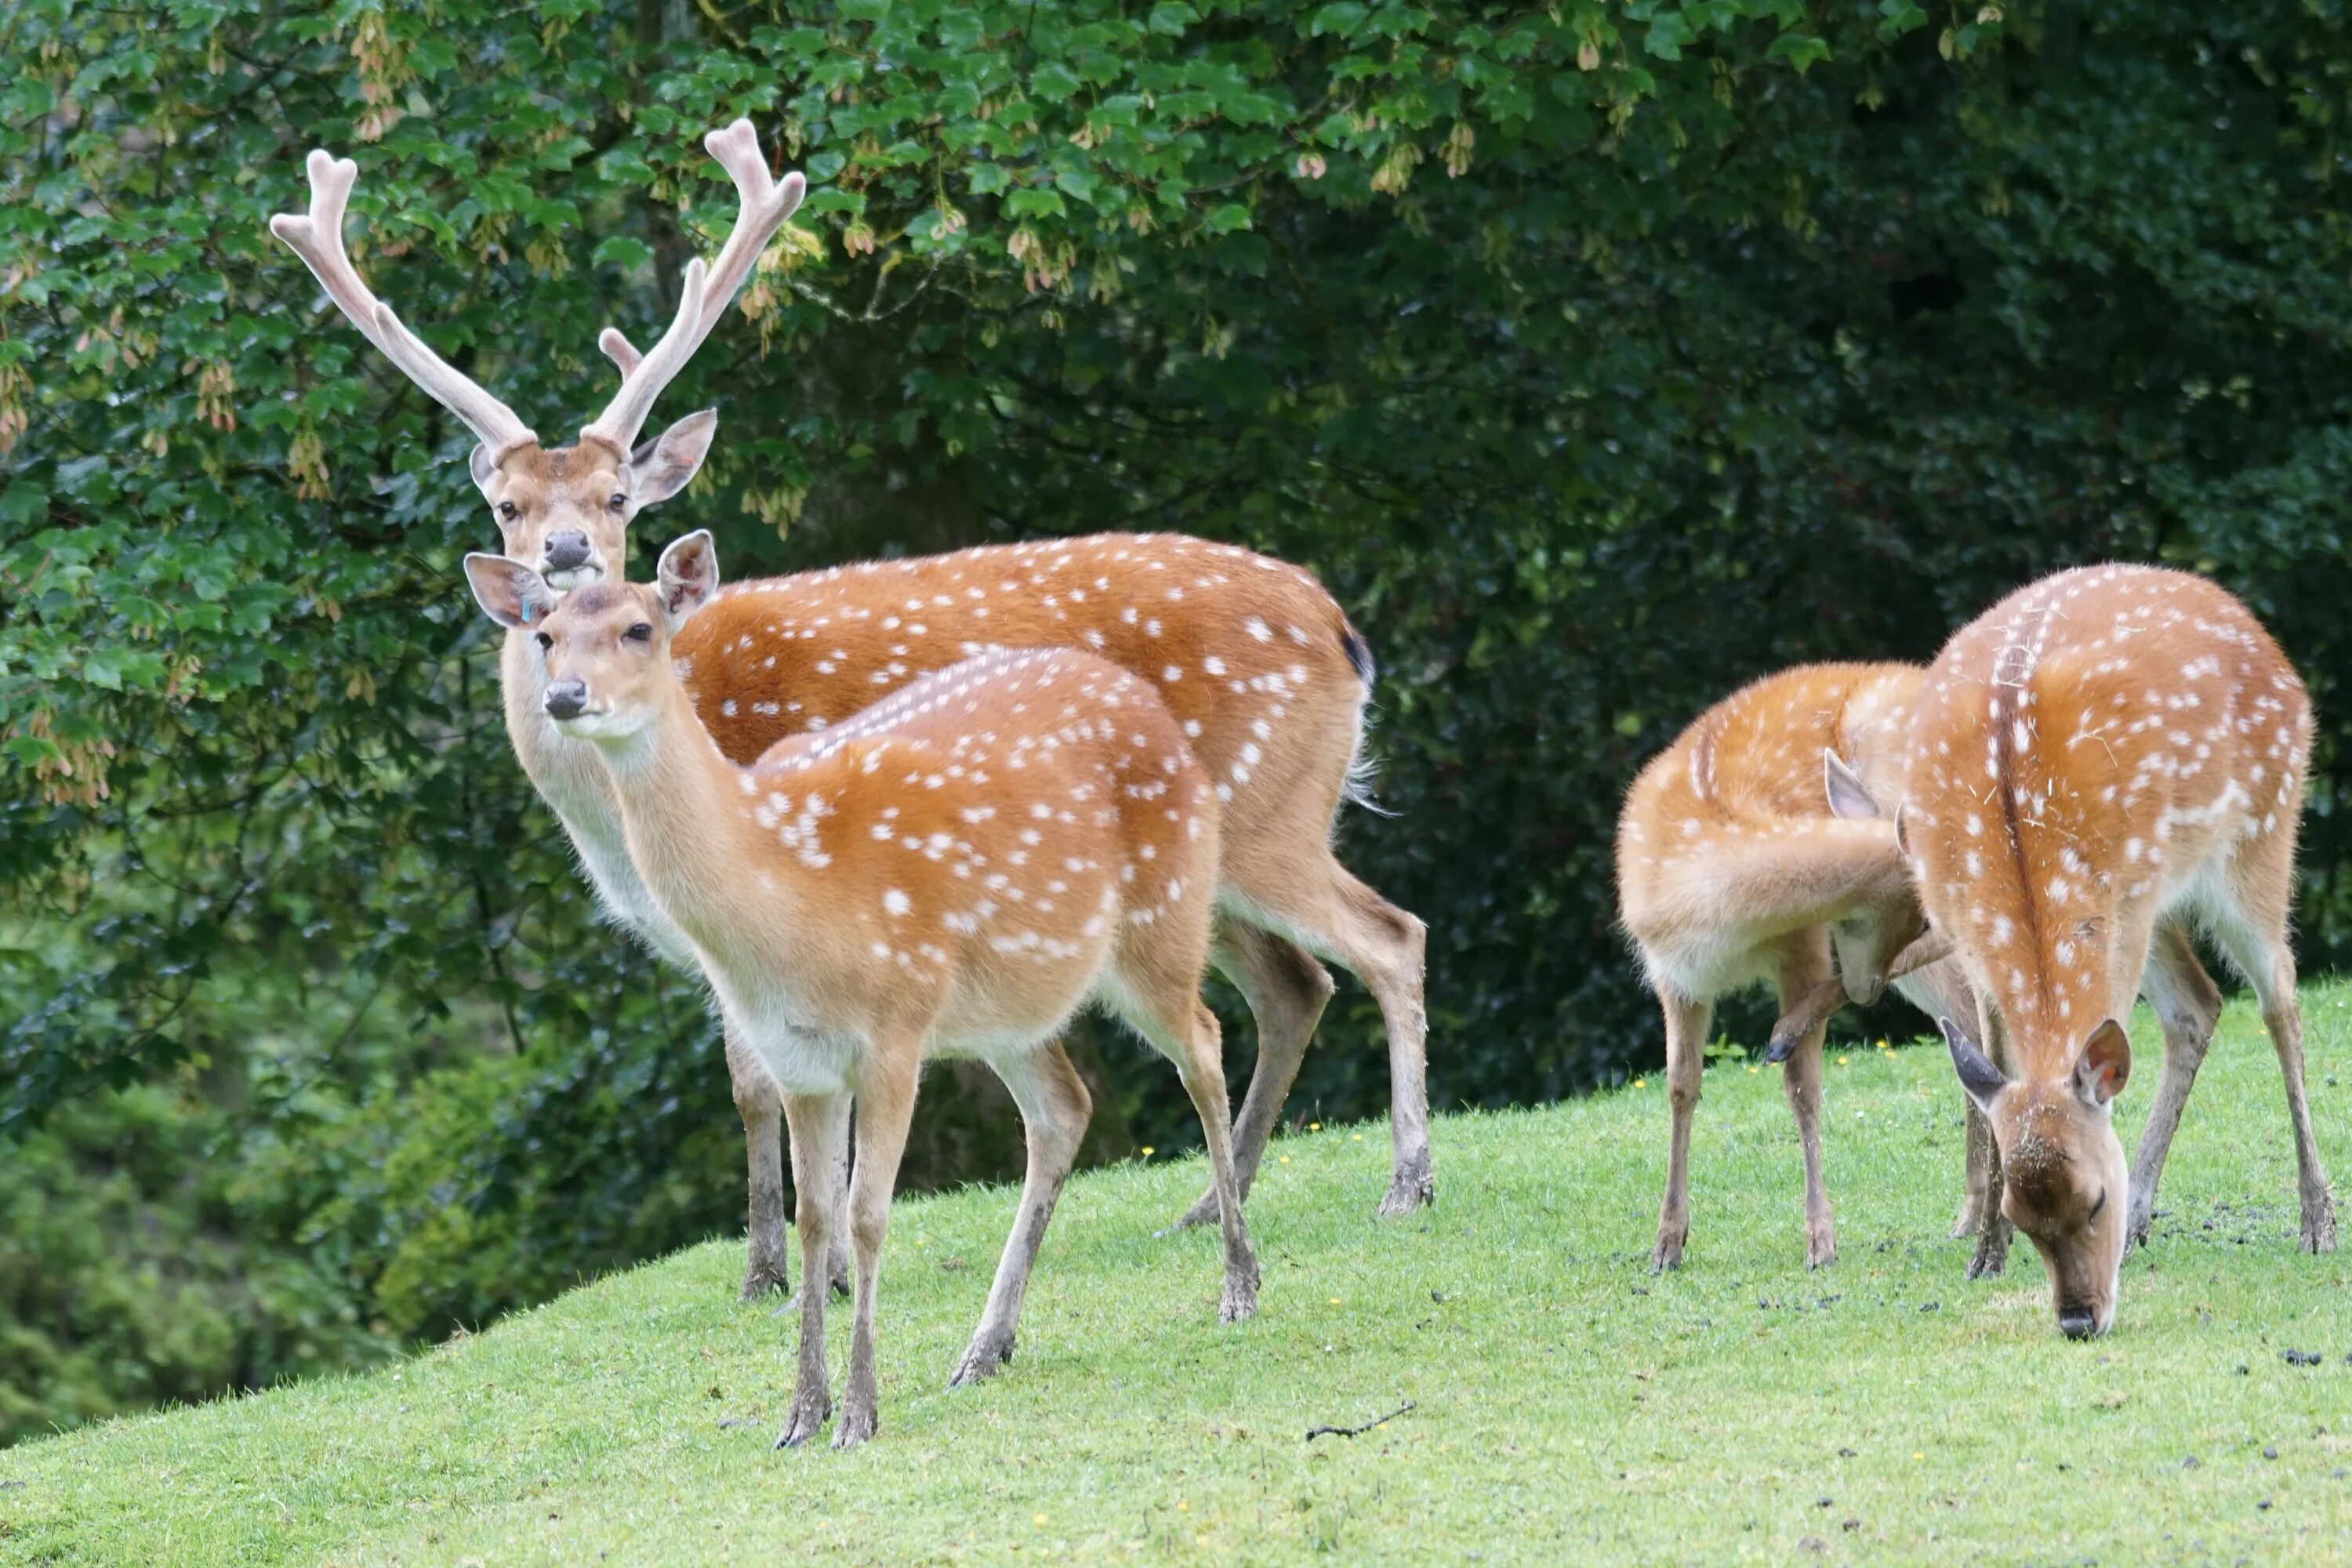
(1599, 357)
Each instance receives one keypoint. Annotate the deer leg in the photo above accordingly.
(1926, 950)
(1286, 991)
(1336, 917)
(885, 1110)
(1687, 1026)
(1202, 1071)
(1053, 1110)
(814, 1120)
(1974, 1206)
(1158, 992)
(1992, 1256)
(1819, 1004)
(2282, 1018)
(758, 1101)
(1386, 948)
(2263, 953)
(2187, 1004)
(1803, 1016)
(1803, 965)
(843, 1144)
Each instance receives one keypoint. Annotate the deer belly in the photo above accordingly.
(1702, 966)
(802, 1059)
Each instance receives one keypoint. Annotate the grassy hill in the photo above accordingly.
(1566, 1406)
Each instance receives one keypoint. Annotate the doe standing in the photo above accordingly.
(952, 872)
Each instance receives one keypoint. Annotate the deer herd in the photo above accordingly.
(933, 807)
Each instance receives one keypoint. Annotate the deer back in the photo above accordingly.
(969, 847)
(2084, 753)
(1254, 659)
(1727, 836)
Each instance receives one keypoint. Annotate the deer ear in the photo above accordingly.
(483, 467)
(667, 464)
(688, 575)
(1979, 1076)
(2104, 1065)
(509, 593)
(1849, 798)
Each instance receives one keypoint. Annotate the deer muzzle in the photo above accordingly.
(566, 699)
(565, 554)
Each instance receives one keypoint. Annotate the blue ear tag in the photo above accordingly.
(526, 612)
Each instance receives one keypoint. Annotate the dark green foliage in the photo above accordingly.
(1593, 387)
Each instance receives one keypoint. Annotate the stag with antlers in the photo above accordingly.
(1264, 669)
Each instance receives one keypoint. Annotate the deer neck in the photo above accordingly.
(574, 783)
(693, 838)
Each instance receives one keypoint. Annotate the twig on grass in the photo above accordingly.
(1315, 1432)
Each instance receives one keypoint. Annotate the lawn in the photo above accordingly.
(1565, 1405)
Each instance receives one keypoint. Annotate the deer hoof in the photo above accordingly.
(762, 1280)
(859, 1422)
(1668, 1253)
(1204, 1212)
(1411, 1188)
(986, 1354)
(1991, 1255)
(792, 1301)
(2319, 1225)
(805, 1422)
(1239, 1302)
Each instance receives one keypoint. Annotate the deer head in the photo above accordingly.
(565, 510)
(606, 646)
(2064, 1179)
(1869, 938)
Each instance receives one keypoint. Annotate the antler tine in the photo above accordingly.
(765, 203)
(762, 204)
(619, 348)
(317, 236)
(617, 426)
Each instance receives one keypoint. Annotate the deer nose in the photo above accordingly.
(566, 699)
(565, 551)
(2077, 1322)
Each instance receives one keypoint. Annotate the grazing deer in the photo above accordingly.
(1257, 660)
(1729, 871)
(952, 872)
(2101, 761)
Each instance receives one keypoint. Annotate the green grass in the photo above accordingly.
(1566, 1405)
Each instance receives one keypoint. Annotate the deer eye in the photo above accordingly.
(546, 641)
(2100, 1204)
(508, 510)
(641, 632)
(618, 501)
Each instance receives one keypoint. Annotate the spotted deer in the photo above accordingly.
(564, 508)
(952, 872)
(2101, 763)
(1735, 866)
(1258, 661)
(1264, 673)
